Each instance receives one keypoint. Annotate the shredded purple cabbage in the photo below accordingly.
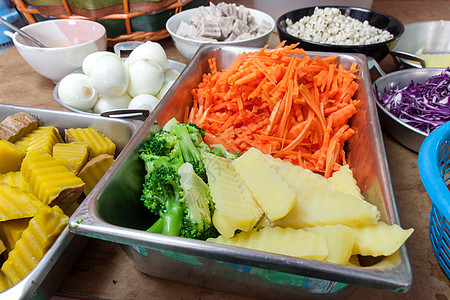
(424, 106)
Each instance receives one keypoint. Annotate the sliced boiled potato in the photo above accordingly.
(379, 239)
(236, 209)
(319, 207)
(344, 182)
(273, 194)
(286, 241)
(340, 240)
(300, 179)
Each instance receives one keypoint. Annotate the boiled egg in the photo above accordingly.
(150, 50)
(170, 75)
(109, 76)
(144, 101)
(89, 60)
(166, 86)
(146, 77)
(77, 91)
(106, 104)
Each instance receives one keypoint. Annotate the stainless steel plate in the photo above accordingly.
(405, 134)
(122, 113)
(114, 212)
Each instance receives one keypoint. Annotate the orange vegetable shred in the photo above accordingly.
(282, 102)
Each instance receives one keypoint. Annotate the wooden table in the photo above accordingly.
(104, 271)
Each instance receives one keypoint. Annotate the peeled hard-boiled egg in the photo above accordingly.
(170, 75)
(106, 104)
(76, 90)
(146, 77)
(150, 50)
(91, 58)
(143, 101)
(166, 86)
(109, 76)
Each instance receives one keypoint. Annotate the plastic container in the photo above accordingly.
(11, 16)
(434, 168)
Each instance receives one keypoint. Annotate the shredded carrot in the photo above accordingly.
(282, 102)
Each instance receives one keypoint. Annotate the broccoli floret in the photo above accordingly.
(197, 133)
(199, 207)
(162, 194)
(157, 151)
(190, 152)
(164, 154)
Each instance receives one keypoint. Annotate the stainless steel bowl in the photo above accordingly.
(138, 114)
(430, 37)
(405, 134)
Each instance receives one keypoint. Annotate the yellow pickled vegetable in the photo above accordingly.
(50, 180)
(72, 155)
(11, 157)
(36, 239)
(98, 143)
(17, 204)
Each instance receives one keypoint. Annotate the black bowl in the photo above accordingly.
(377, 19)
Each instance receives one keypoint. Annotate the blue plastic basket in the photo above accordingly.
(434, 169)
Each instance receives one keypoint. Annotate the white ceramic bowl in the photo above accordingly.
(187, 47)
(68, 42)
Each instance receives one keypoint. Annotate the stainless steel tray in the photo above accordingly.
(49, 273)
(114, 212)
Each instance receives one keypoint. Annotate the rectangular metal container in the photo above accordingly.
(113, 210)
(50, 272)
